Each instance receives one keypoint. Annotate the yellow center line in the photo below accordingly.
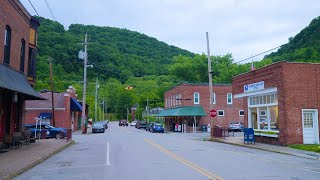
(184, 161)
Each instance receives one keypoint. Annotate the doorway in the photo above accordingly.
(310, 126)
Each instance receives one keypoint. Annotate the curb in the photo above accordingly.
(36, 162)
(275, 151)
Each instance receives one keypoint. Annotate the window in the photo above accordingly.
(32, 63)
(22, 54)
(166, 102)
(7, 44)
(229, 98)
(179, 99)
(263, 113)
(196, 98)
(32, 37)
(241, 113)
(220, 112)
(213, 98)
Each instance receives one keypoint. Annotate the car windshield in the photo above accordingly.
(49, 126)
(97, 125)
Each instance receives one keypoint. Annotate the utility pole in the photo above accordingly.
(84, 85)
(210, 78)
(103, 110)
(95, 102)
(147, 109)
(127, 114)
(52, 93)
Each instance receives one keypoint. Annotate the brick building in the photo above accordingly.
(67, 110)
(188, 104)
(18, 40)
(281, 102)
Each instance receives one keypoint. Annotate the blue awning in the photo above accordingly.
(45, 115)
(75, 105)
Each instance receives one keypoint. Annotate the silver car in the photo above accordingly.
(236, 126)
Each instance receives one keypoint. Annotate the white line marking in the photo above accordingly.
(108, 154)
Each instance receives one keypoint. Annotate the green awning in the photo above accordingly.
(183, 111)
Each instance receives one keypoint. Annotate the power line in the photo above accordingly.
(258, 54)
(50, 10)
(33, 7)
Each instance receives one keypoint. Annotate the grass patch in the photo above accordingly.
(307, 147)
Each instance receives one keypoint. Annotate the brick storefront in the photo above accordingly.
(186, 92)
(295, 88)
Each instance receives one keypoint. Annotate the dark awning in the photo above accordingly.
(45, 115)
(16, 81)
(183, 111)
(75, 105)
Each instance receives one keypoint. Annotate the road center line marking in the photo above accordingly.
(108, 154)
(184, 161)
(125, 130)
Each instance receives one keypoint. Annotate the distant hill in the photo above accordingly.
(304, 47)
(114, 52)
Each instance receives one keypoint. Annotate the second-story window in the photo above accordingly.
(196, 97)
(32, 62)
(22, 54)
(7, 44)
(229, 98)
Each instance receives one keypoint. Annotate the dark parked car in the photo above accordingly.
(236, 126)
(98, 128)
(103, 123)
(123, 122)
(157, 128)
(141, 124)
(51, 132)
(150, 126)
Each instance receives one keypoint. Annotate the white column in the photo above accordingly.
(268, 118)
(258, 117)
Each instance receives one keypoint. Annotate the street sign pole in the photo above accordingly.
(210, 77)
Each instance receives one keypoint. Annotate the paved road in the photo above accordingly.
(129, 153)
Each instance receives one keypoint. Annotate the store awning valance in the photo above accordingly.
(15, 81)
(75, 105)
(183, 111)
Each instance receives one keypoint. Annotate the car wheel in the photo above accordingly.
(59, 136)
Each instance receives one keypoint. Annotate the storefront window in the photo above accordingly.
(263, 112)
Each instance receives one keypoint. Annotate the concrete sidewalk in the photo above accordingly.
(16, 161)
(238, 140)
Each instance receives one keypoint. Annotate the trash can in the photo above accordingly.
(203, 128)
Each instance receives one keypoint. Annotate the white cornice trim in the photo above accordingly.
(255, 93)
(56, 109)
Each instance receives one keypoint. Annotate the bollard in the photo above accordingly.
(69, 135)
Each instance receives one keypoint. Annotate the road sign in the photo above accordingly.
(213, 113)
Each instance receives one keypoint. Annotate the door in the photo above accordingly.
(310, 127)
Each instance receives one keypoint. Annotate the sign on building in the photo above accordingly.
(253, 87)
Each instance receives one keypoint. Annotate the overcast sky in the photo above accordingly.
(240, 27)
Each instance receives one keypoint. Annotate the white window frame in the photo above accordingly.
(213, 100)
(179, 99)
(228, 98)
(222, 113)
(194, 98)
(240, 113)
(166, 102)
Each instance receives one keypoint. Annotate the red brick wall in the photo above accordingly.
(12, 15)
(231, 111)
(298, 88)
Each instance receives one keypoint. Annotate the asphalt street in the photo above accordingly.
(123, 153)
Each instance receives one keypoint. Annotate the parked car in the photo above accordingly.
(157, 128)
(103, 123)
(133, 123)
(123, 122)
(236, 126)
(141, 124)
(51, 132)
(98, 128)
(150, 126)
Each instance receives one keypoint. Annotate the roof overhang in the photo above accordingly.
(16, 81)
(183, 111)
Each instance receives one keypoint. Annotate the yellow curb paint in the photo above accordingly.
(184, 161)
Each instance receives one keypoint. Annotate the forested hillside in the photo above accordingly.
(122, 58)
(304, 47)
